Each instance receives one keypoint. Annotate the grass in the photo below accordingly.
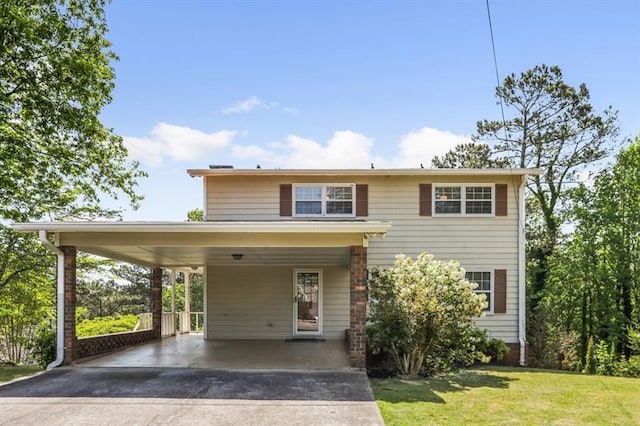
(9, 372)
(509, 396)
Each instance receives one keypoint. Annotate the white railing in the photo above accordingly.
(168, 324)
(191, 322)
(145, 321)
(197, 322)
(183, 322)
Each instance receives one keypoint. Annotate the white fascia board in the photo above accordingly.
(362, 172)
(221, 227)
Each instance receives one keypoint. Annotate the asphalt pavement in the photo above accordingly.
(145, 396)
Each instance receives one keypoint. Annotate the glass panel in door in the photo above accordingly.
(307, 299)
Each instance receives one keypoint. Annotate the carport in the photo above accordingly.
(247, 245)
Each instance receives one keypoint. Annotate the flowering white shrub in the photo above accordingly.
(421, 312)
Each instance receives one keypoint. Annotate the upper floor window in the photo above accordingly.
(485, 285)
(463, 200)
(324, 200)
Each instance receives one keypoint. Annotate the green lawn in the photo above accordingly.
(8, 373)
(510, 396)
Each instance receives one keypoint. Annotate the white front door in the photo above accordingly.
(307, 302)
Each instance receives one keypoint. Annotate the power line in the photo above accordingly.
(495, 64)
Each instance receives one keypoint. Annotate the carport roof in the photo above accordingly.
(192, 244)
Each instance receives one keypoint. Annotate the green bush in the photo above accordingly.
(106, 325)
(421, 314)
(44, 346)
(492, 350)
(606, 358)
(590, 362)
(629, 368)
(496, 350)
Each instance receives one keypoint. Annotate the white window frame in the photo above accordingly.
(463, 200)
(323, 189)
(492, 276)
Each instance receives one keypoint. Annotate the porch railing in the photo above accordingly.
(145, 321)
(183, 322)
(168, 325)
(191, 322)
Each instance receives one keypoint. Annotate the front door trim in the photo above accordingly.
(296, 331)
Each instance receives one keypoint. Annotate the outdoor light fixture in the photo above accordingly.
(237, 256)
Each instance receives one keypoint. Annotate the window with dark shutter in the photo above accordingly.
(425, 199)
(501, 199)
(362, 200)
(285, 200)
(500, 291)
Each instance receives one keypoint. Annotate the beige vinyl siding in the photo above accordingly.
(477, 242)
(242, 302)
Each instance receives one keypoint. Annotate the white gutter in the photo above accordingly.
(361, 172)
(294, 226)
(60, 297)
(522, 330)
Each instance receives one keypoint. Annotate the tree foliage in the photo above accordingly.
(469, 156)
(110, 288)
(55, 78)
(26, 293)
(195, 215)
(553, 127)
(422, 312)
(594, 284)
(106, 325)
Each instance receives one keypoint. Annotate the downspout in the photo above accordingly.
(522, 336)
(60, 297)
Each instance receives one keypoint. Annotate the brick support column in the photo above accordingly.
(358, 307)
(156, 301)
(69, 304)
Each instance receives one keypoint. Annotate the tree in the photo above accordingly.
(56, 158)
(195, 215)
(601, 297)
(469, 156)
(26, 292)
(618, 202)
(108, 288)
(423, 310)
(553, 128)
(55, 78)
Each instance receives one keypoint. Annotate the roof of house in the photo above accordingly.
(193, 244)
(361, 172)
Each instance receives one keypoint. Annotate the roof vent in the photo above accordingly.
(220, 166)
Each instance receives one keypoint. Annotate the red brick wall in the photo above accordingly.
(358, 307)
(513, 357)
(90, 346)
(156, 301)
(69, 303)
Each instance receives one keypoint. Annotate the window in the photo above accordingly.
(484, 280)
(463, 200)
(324, 200)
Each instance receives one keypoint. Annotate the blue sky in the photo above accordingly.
(299, 84)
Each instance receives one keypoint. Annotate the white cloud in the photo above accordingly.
(420, 146)
(346, 149)
(253, 103)
(349, 149)
(247, 105)
(178, 143)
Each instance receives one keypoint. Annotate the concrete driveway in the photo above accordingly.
(145, 396)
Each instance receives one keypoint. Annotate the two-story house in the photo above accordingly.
(285, 253)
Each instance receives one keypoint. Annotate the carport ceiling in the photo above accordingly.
(193, 244)
(198, 256)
